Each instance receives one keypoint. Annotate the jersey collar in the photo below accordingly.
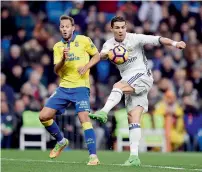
(72, 40)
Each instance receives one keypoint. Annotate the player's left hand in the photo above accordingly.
(180, 45)
(82, 70)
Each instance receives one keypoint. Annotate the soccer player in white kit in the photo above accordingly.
(136, 80)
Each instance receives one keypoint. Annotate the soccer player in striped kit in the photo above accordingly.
(136, 80)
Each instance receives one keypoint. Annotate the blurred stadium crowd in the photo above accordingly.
(30, 29)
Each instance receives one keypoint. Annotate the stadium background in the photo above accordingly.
(30, 29)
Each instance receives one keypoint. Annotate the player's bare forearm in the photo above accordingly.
(169, 42)
(59, 65)
(94, 60)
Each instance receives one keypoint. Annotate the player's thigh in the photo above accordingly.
(136, 105)
(82, 103)
(134, 116)
(124, 86)
(58, 101)
(141, 83)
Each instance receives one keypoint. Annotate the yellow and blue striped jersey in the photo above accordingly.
(81, 48)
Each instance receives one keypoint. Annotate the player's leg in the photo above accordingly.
(119, 88)
(134, 135)
(82, 105)
(89, 136)
(136, 104)
(54, 105)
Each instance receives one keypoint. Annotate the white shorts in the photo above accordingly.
(142, 83)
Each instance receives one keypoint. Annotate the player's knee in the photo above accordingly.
(44, 116)
(83, 117)
(134, 118)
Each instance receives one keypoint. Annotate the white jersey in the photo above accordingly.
(137, 61)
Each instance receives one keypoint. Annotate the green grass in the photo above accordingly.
(75, 161)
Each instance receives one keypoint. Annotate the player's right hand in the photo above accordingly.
(65, 53)
(104, 56)
(181, 45)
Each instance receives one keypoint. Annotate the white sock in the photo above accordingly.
(93, 155)
(61, 142)
(134, 136)
(113, 99)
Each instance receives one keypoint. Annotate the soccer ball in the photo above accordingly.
(118, 55)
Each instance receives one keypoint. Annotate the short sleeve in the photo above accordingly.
(90, 47)
(147, 39)
(56, 55)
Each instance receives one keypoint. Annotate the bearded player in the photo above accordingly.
(72, 63)
(136, 80)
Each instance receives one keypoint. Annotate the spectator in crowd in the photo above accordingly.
(188, 90)
(150, 11)
(154, 96)
(165, 85)
(197, 80)
(166, 68)
(92, 14)
(31, 52)
(98, 38)
(14, 59)
(174, 125)
(25, 19)
(156, 76)
(101, 21)
(40, 33)
(179, 80)
(7, 20)
(16, 78)
(20, 38)
(8, 91)
(19, 109)
(79, 14)
(178, 60)
(33, 86)
(130, 12)
(157, 59)
(6, 125)
(193, 123)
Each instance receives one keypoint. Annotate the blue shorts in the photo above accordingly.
(62, 97)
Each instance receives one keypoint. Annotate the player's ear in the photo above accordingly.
(73, 28)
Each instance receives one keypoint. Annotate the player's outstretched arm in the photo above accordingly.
(156, 40)
(169, 42)
(94, 60)
(59, 65)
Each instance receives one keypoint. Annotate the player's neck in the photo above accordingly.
(68, 39)
(119, 41)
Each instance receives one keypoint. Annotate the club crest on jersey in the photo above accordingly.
(76, 44)
(92, 46)
(129, 48)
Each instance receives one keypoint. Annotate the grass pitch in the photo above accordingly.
(75, 161)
